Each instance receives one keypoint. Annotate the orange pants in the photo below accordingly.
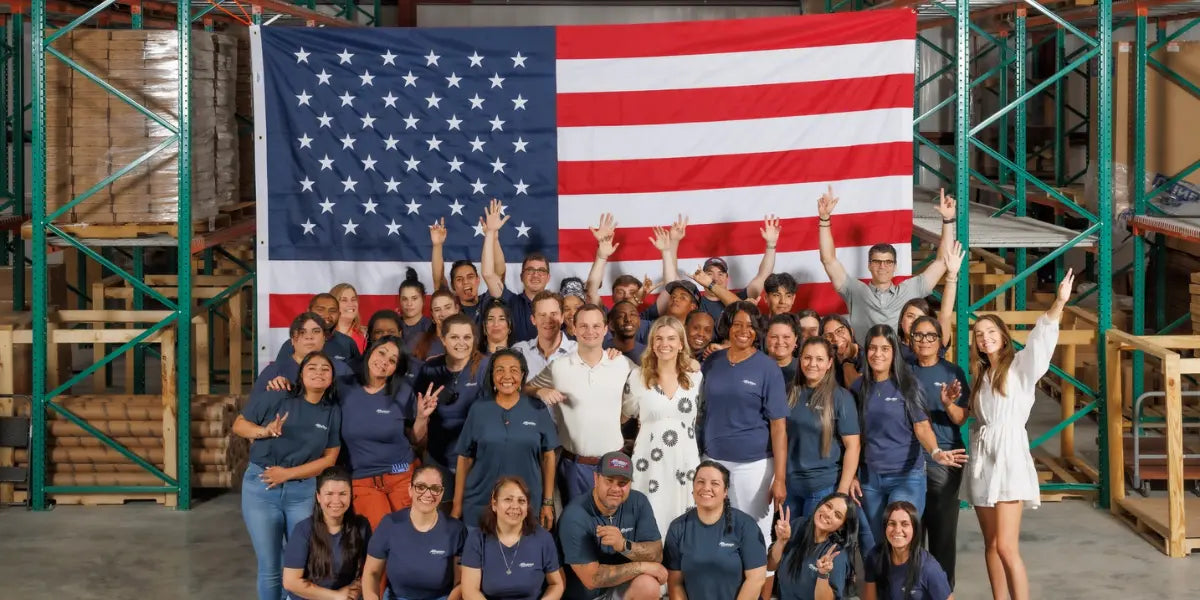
(377, 497)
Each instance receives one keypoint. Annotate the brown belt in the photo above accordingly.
(583, 460)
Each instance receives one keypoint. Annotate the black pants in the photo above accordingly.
(941, 514)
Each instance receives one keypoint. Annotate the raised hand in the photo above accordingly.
(678, 230)
(770, 230)
(606, 247)
(661, 239)
(946, 204)
(437, 232)
(702, 278)
(825, 564)
(826, 203)
(427, 402)
(275, 427)
(606, 228)
(951, 392)
(783, 527)
(492, 219)
(1065, 286)
(954, 260)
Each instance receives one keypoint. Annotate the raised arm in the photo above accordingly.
(829, 260)
(667, 242)
(770, 232)
(604, 249)
(1064, 294)
(954, 261)
(498, 260)
(492, 221)
(706, 281)
(437, 238)
(946, 207)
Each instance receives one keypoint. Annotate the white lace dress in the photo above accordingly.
(1000, 467)
(665, 453)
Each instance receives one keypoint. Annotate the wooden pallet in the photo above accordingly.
(109, 231)
(100, 499)
(1148, 517)
(1071, 469)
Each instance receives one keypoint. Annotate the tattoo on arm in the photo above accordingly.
(645, 551)
(613, 575)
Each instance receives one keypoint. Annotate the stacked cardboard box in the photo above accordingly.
(245, 108)
(92, 133)
(1195, 306)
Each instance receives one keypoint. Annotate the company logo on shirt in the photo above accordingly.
(320, 426)
(380, 411)
(891, 399)
(471, 384)
(525, 565)
(727, 544)
(625, 530)
(436, 552)
(748, 382)
(529, 423)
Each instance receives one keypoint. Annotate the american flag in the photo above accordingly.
(367, 136)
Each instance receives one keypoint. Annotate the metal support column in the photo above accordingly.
(1104, 211)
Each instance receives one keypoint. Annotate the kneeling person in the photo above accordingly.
(611, 540)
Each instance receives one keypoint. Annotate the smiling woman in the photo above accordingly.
(510, 555)
(325, 553)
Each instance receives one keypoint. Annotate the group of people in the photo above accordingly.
(540, 444)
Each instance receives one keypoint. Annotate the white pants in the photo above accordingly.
(750, 491)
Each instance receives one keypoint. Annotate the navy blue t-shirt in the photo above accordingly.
(531, 560)
(286, 366)
(411, 334)
(463, 389)
(808, 471)
(910, 357)
(949, 436)
(740, 401)
(713, 558)
(581, 545)
(474, 309)
(930, 584)
(890, 446)
(420, 565)
(310, 429)
(295, 554)
(373, 429)
(802, 585)
(339, 347)
(521, 307)
(634, 354)
(789, 371)
(504, 442)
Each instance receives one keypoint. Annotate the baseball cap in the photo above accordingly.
(717, 262)
(572, 286)
(690, 287)
(616, 464)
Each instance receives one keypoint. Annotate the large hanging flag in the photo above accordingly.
(367, 136)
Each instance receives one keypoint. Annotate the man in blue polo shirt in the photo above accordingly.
(611, 540)
(535, 275)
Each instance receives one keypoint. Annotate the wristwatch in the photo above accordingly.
(548, 502)
(628, 546)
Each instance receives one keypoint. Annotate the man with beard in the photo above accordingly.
(625, 325)
(464, 278)
(338, 345)
(610, 540)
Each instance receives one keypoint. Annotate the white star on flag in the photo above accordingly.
(497, 81)
(325, 119)
(413, 207)
(326, 163)
(345, 56)
(434, 143)
(478, 230)
(306, 184)
(305, 141)
(389, 58)
(368, 121)
(347, 99)
(323, 78)
(393, 227)
(521, 187)
(348, 184)
(369, 206)
(452, 81)
(351, 227)
(390, 100)
(348, 142)
(301, 57)
(519, 102)
(392, 184)
(431, 59)
(369, 163)
(308, 226)
(456, 208)
(497, 123)
(367, 78)
(476, 59)
(303, 98)
(498, 165)
(435, 186)
(518, 60)
(410, 122)
(477, 144)
(522, 230)
(454, 123)
(412, 163)
(326, 206)
(390, 142)
(410, 79)
(455, 165)
(476, 101)
(433, 101)
(519, 145)
(478, 186)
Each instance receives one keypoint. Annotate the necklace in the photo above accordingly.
(507, 564)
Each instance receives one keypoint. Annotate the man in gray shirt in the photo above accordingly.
(880, 300)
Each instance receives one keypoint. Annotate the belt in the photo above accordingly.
(583, 460)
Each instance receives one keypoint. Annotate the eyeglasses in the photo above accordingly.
(421, 488)
(836, 333)
(536, 271)
(926, 337)
(884, 262)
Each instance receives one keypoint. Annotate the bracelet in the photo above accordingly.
(947, 221)
(548, 502)
(821, 575)
(710, 286)
(823, 224)
(823, 219)
(936, 451)
(770, 247)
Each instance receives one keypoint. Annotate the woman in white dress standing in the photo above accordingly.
(1000, 476)
(663, 395)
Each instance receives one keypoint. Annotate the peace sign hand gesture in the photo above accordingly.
(427, 402)
(1065, 286)
(826, 203)
(783, 527)
(275, 427)
(825, 563)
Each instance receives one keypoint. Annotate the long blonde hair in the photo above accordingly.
(982, 366)
(682, 361)
(336, 292)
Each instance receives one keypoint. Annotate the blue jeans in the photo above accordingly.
(879, 491)
(270, 516)
(803, 504)
(575, 479)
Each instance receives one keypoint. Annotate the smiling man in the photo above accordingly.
(880, 301)
(583, 390)
(551, 342)
(625, 324)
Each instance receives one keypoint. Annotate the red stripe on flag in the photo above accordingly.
(712, 37)
(734, 170)
(735, 103)
(744, 237)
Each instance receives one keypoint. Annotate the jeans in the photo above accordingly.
(941, 514)
(803, 504)
(270, 516)
(575, 479)
(880, 490)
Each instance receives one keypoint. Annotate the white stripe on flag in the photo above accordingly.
(730, 69)
(747, 136)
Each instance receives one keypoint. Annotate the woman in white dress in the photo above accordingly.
(663, 395)
(1000, 476)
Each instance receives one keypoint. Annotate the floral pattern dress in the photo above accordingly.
(666, 451)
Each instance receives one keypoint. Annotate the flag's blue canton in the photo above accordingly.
(373, 134)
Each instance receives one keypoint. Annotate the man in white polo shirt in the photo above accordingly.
(584, 391)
